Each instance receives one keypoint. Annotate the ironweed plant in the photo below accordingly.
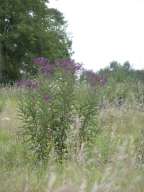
(46, 107)
(50, 104)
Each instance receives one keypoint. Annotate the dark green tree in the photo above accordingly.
(127, 66)
(28, 29)
(114, 65)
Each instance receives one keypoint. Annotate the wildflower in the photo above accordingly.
(103, 81)
(94, 79)
(40, 61)
(45, 67)
(46, 98)
(31, 84)
(68, 65)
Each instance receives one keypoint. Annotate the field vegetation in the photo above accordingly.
(93, 144)
(64, 128)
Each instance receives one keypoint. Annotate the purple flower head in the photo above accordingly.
(45, 67)
(42, 61)
(46, 98)
(68, 65)
(94, 79)
(103, 81)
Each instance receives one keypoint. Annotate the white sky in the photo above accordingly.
(105, 30)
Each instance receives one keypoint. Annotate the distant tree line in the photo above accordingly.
(122, 72)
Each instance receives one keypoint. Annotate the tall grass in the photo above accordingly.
(113, 162)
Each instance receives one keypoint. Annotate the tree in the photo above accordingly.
(114, 65)
(28, 28)
(126, 66)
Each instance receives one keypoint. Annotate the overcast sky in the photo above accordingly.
(105, 30)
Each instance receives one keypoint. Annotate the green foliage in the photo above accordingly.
(28, 29)
(60, 101)
(122, 72)
(124, 84)
(86, 110)
(46, 114)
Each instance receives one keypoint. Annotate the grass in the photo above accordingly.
(108, 165)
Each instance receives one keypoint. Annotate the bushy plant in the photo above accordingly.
(52, 102)
(46, 107)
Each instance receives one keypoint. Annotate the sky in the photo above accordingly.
(105, 30)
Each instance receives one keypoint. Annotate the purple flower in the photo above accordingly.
(46, 98)
(94, 79)
(30, 84)
(68, 65)
(45, 67)
(103, 81)
(40, 61)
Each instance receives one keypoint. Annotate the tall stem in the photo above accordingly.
(0, 63)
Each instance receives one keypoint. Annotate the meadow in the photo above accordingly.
(113, 161)
(109, 165)
(64, 128)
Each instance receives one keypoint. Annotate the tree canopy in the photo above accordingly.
(28, 29)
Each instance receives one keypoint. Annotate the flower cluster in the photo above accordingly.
(94, 79)
(45, 67)
(40, 61)
(68, 65)
(30, 84)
